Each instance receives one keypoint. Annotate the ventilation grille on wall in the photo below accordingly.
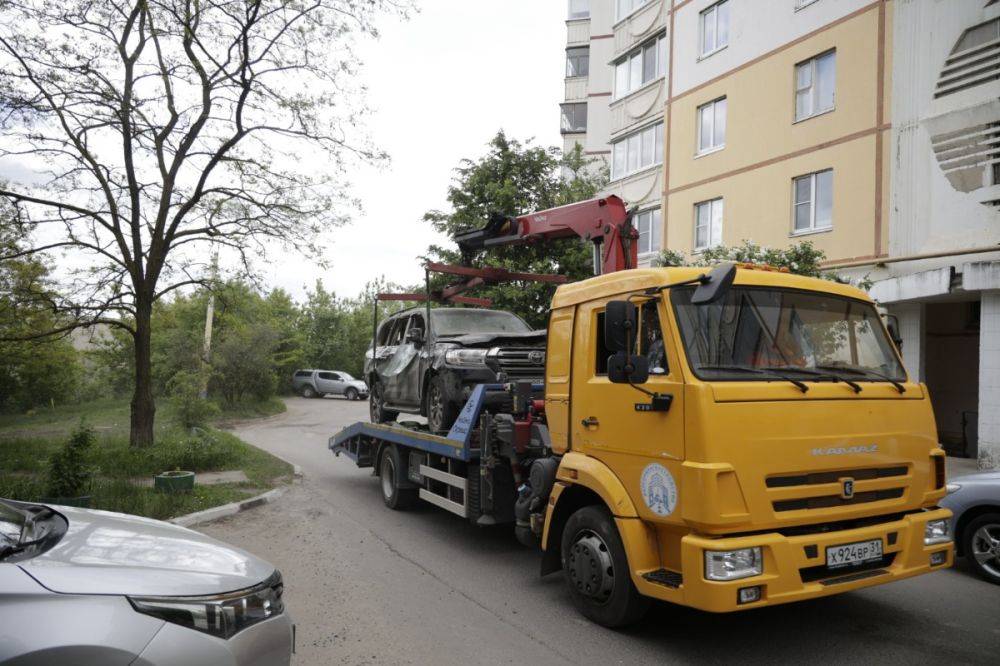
(969, 156)
(975, 60)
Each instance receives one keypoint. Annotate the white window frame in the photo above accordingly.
(657, 44)
(712, 204)
(712, 13)
(654, 218)
(578, 17)
(813, 88)
(636, 6)
(713, 147)
(577, 48)
(562, 117)
(811, 202)
(637, 139)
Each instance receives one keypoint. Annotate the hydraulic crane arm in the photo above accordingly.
(603, 221)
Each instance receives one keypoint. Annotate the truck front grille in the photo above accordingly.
(815, 478)
(518, 363)
(827, 501)
(783, 485)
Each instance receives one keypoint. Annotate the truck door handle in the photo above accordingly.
(590, 422)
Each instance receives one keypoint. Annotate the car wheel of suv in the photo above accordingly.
(308, 392)
(596, 568)
(981, 544)
(392, 470)
(351, 394)
(376, 406)
(441, 413)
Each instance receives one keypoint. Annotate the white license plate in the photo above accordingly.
(853, 553)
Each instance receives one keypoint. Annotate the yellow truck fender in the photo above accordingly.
(580, 481)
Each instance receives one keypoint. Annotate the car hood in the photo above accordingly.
(980, 477)
(531, 338)
(114, 553)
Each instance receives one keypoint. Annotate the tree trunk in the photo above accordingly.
(143, 407)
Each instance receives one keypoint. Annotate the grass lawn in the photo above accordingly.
(27, 442)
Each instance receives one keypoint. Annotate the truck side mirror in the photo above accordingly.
(715, 285)
(625, 368)
(620, 318)
(415, 335)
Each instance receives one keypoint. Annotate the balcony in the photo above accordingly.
(639, 106)
(578, 32)
(576, 89)
(644, 23)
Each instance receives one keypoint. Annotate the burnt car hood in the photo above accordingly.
(531, 339)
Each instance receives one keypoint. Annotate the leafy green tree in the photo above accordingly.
(802, 258)
(514, 178)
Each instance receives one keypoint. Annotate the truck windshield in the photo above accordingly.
(752, 331)
(462, 322)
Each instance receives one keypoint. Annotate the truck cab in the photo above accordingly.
(770, 448)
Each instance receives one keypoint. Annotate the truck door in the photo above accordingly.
(605, 418)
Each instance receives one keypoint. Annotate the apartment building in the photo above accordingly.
(615, 105)
(870, 128)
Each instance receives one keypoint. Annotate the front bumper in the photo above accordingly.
(795, 566)
(268, 643)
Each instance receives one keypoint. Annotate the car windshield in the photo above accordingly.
(753, 331)
(460, 322)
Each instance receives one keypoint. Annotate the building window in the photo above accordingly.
(978, 35)
(639, 67)
(579, 9)
(649, 225)
(578, 61)
(625, 7)
(708, 224)
(815, 82)
(714, 28)
(637, 151)
(712, 126)
(574, 117)
(812, 202)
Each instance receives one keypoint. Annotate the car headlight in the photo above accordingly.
(466, 357)
(733, 564)
(936, 531)
(953, 488)
(222, 615)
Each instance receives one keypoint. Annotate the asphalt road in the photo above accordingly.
(368, 585)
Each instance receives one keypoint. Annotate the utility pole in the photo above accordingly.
(206, 352)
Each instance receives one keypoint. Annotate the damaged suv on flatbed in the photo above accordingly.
(432, 370)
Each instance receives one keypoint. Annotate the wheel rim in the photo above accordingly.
(986, 548)
(590, 568)
(435, 409)
(388, 476)
(375, 401)
(352, 394)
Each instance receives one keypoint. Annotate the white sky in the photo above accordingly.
(441, 85)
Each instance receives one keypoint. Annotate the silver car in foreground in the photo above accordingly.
(96, 588)
(974, 501)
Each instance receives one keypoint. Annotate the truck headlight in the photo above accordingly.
(222, 615)
(733, 564)
(469, 358)
(936, 531)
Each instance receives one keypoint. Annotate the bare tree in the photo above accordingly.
(162, 129)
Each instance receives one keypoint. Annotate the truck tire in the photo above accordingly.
(441, 412)
(308, 392)
(376, 406)
(392, 471)
(351, 393)
(981, 545)
(596, 569)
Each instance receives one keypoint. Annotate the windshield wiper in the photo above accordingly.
(759, 371)
(822, 375)
(864, 372)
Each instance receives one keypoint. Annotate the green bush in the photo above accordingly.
(191, 410)
(68, 472)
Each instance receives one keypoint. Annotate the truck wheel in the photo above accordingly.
(351, 394)
(392, 470)
(376, 406)
(981, 544)
(597, 571)
(441, 412)
(308, 392)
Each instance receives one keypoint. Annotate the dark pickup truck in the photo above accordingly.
(431, 370)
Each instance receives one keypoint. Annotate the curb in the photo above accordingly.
(216, 512)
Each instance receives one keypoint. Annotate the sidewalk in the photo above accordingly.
(955, 467)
